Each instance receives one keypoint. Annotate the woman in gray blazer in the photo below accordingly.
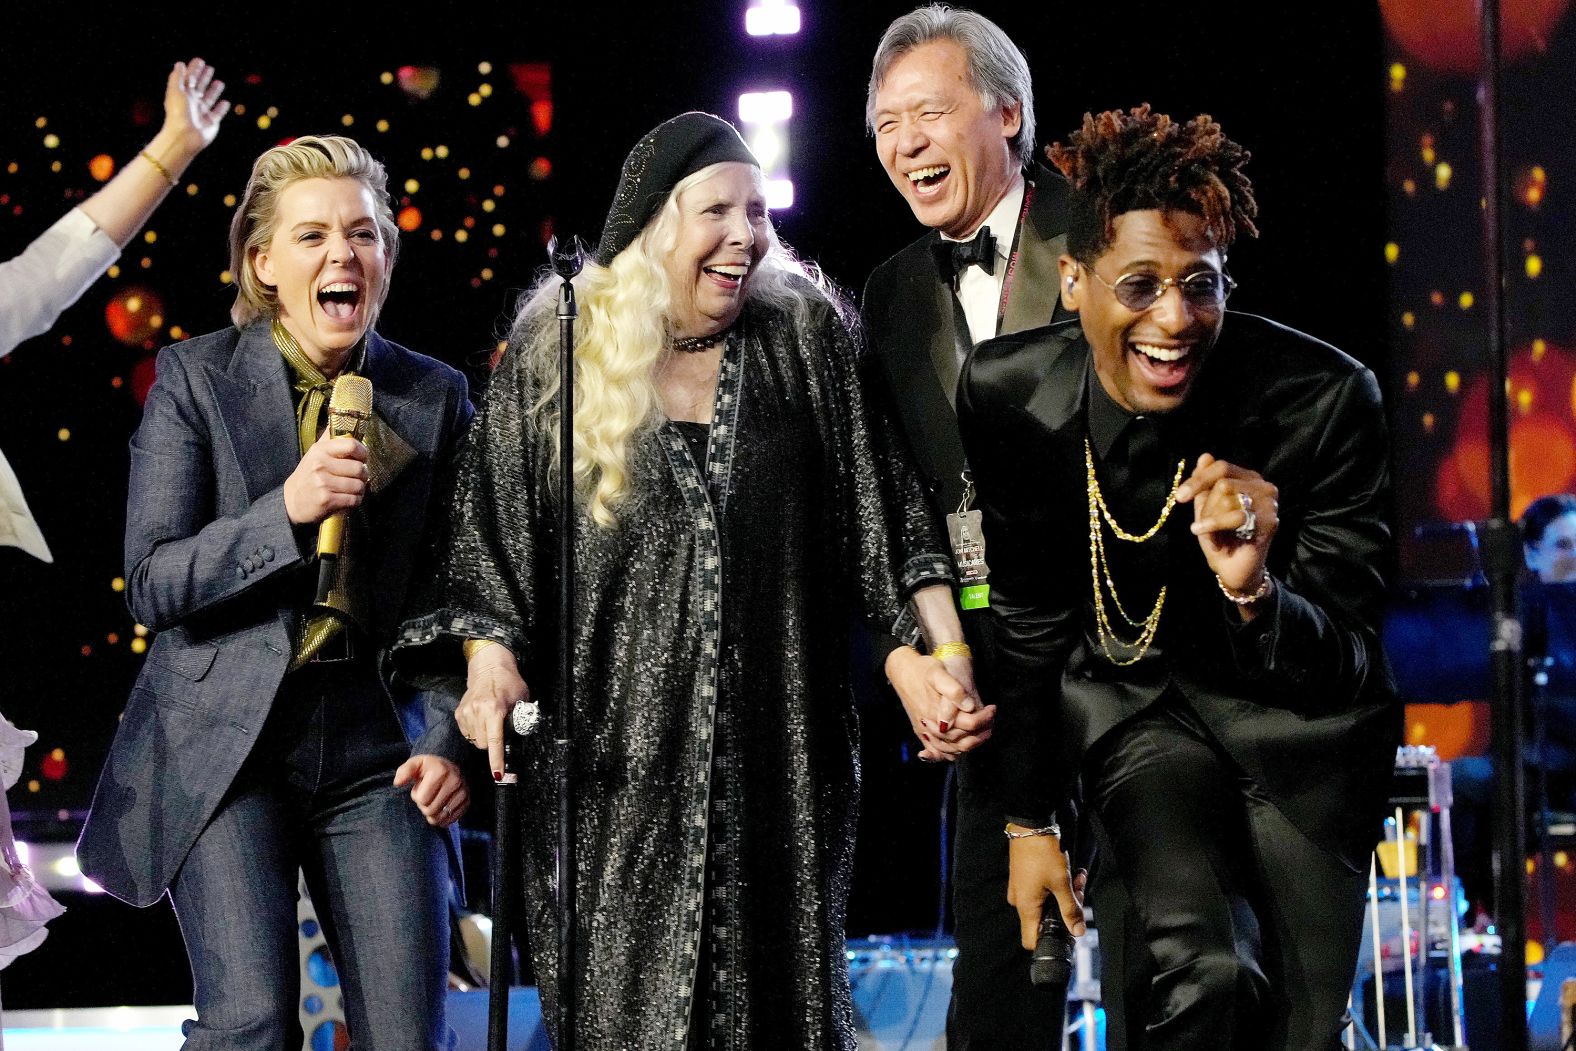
(259, 739)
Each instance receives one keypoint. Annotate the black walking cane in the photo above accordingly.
(505, 875)
(567, 261)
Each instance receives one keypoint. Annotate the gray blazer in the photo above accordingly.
(217, 570)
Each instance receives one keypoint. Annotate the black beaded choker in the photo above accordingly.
(696, 344)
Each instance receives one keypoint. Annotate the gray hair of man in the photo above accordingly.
(997, 68)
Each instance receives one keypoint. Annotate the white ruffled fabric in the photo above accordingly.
(25, 907)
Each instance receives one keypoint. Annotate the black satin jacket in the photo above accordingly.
(1302, 698)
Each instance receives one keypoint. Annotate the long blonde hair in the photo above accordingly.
(621, 337)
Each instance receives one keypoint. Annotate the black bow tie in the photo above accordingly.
(954, 257)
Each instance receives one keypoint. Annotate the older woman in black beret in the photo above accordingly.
(740, 503)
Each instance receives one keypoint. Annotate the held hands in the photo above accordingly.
(192, 105)
(437, 788)
(492, 686)
(1039, 867)
(331, 477)
(1220, 514)
(943, 706)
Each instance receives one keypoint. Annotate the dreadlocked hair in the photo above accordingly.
(1124, 162)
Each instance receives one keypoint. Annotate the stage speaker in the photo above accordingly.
(901, 989)
(1544, 1025)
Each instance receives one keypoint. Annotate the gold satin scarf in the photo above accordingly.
(341, 609)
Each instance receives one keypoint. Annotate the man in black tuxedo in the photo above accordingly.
(1186, 509)
(952, 108)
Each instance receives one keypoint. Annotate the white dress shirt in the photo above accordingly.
(979, 292)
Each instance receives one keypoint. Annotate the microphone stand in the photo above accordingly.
(567, 261)
(1504, 564)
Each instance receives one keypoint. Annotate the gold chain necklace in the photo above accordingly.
(1100, 570)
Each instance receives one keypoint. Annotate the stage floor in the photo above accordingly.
(159, 1028)
(96, 1029)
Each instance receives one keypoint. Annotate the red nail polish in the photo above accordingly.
(497, 775)
(943, 727)
(925, 737)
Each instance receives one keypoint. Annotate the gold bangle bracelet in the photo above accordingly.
(470, 647)
(151, 159)
(951, 649)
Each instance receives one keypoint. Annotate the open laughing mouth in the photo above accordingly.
(925, 180)
(729, 275)
(339, 299)
(1163, 366)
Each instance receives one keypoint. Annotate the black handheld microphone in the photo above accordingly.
(1052, 963)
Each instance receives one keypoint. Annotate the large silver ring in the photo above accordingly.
(1250, 524)
(524, 717)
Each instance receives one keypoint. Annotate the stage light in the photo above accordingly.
(765, 107)
(767, 145)
(779, 194)
(772, 18)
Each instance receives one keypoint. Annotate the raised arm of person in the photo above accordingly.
(192, 111)
(54, 271)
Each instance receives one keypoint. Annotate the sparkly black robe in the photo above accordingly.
(716, 762)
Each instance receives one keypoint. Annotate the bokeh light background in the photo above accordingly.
(505, 121)
(1437, 324)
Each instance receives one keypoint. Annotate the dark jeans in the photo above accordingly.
(994, 1005)
(316, 795)
(1242, 933)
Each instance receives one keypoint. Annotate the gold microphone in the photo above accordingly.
(349, 409)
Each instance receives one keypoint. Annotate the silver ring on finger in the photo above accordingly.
(524, 717)
(1250, 520)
